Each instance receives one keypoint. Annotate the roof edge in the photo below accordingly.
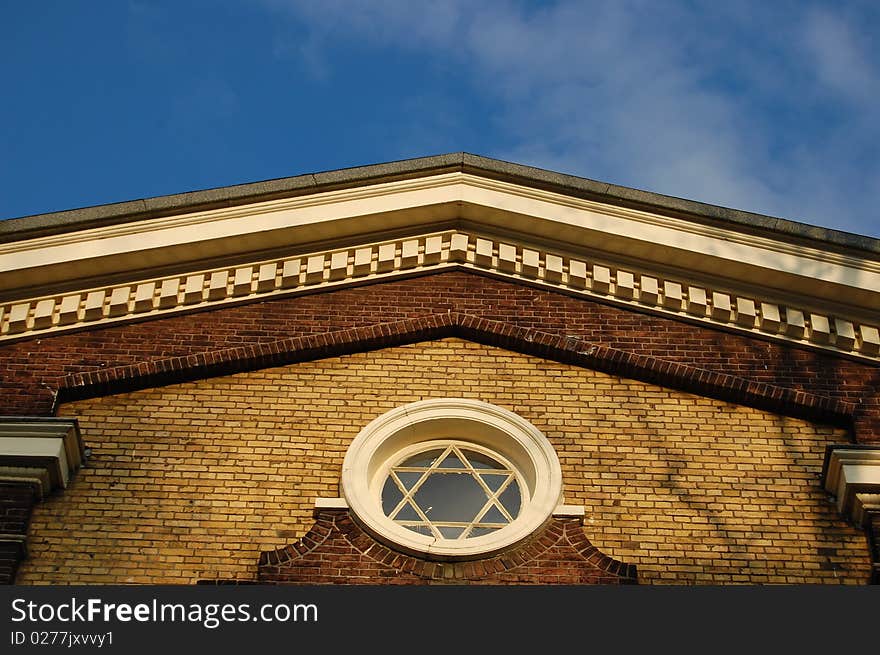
(669, 205)
(39, 225)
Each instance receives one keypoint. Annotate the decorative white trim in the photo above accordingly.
(621, 284)
(864, 503)
(570, 511)
(421, 204)
(488, 426)
(41, 451)
(331, 503)
(853, 476)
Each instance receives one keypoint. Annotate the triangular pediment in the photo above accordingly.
(770, 278)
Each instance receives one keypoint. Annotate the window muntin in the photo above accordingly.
(455, 491)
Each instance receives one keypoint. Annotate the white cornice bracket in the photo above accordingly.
(852, 475)
(44, 451)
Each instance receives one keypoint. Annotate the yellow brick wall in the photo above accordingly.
(192, 481)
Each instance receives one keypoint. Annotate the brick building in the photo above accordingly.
(449, 369)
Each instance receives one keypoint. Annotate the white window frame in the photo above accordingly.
(381, 443)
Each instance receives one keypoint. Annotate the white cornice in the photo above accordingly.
(226, 222)
(418, 204)
(661, 228)
(662, 290)
(224, 232)
(44, 452)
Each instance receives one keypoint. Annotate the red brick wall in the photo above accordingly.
(16, 502)
(31, 369)
(337, 551)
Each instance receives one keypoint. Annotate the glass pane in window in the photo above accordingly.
(407, 513)
(481, 461)
(450, 532)
(391, 496)
(494, 515)
(452, 462)
(408, 478)
(494, 481)
(511, 499)
(450, 497)
(423, 460)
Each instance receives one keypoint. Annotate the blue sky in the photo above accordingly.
(763, 106)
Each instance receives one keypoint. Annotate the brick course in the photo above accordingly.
(16, 503)
(31, 370)
(337, 551)
(525, 340)
(193, 481)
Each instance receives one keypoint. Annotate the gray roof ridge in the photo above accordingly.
(36, 225)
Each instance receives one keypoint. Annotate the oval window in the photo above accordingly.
(451, 478)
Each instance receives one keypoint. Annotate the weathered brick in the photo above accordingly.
(199, 461)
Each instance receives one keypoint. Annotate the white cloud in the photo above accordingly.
(841, 58)
(739, 106)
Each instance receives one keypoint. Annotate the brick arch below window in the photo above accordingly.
(337, 551)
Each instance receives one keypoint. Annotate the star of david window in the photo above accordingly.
(454, 491)
(451, 478)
